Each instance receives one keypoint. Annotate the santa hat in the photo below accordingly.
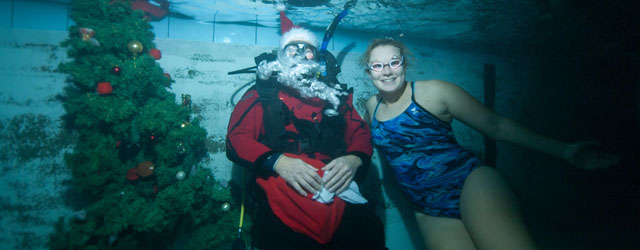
(285, 23)
(298, 35)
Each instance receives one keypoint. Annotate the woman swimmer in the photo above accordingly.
(465, 205)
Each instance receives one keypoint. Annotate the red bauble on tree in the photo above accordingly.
(155, 53)
(104, 88)
(132, 174)
(116, 70)
(167, 83)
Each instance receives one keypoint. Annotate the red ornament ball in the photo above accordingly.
(104, 88)
(116, 70)
(155, 54)
(132, 174)
(167, 83)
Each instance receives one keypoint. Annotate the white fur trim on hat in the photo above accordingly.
(298, 34)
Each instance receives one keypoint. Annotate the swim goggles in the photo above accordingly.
(393, 64)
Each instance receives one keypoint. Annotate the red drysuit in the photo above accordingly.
(246, 127)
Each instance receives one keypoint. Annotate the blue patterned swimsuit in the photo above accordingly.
(425, 158)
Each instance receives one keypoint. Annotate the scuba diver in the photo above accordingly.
(297, 131)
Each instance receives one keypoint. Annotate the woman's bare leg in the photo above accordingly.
(491, 214)
(442, 233)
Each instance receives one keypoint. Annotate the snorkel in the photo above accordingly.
(328, 34)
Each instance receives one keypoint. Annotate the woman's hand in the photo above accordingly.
(339, 173)
(299, 175)
(588, 155)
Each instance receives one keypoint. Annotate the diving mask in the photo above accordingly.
(300, 49)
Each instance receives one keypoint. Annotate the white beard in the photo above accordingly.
(297, 73)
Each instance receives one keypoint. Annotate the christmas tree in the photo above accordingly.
(135, 167)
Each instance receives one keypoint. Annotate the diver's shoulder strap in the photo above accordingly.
(275, 114)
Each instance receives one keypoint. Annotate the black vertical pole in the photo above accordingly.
(490, 150)
(169, 21)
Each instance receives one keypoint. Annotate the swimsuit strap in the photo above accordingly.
(380, 100)
(376, 110)
(413, 99)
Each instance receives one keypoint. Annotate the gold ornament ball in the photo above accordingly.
(225, 207)
(135, 46)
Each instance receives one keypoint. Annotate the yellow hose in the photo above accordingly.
(242, 203)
